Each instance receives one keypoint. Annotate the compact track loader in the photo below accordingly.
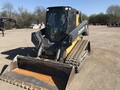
(61, 52)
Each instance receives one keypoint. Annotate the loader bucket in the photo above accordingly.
(35, 74)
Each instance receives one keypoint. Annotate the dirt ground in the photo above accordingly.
(100, 72)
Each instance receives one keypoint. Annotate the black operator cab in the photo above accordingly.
(60, 21)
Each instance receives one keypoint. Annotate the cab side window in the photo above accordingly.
(72, 21)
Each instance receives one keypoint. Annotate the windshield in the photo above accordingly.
(56, 24)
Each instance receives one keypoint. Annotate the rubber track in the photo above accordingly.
(77, 51)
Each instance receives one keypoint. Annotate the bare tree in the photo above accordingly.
(25, 18)
(114, 13)
(40, 13)
(114, 10)
(7, 10)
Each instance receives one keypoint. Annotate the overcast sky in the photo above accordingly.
(86, 6)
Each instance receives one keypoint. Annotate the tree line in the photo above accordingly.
(23, 17)
(112, 16)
